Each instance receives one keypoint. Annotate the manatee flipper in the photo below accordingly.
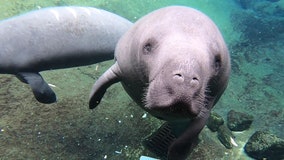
(159, 141)
(41, 90)
(175, 140)
(110, 77)
(184, 144)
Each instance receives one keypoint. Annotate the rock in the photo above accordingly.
(226, 137)
(237, 121)
(263, 145)
(214, 121)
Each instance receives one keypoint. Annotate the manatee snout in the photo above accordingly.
(176, 92)
(183, 79)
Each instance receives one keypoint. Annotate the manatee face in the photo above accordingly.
(178, 73)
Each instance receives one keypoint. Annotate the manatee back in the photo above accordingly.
(59, 37)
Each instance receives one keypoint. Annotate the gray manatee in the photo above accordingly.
(54, 38)
(175, 64)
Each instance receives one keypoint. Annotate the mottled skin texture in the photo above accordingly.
(54, 38)
(175, 64)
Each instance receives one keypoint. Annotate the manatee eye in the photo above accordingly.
(150, 45)
(147, 48)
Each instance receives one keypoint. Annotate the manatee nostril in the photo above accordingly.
(178, 77)
(194, 81)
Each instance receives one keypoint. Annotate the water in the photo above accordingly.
(115, 129)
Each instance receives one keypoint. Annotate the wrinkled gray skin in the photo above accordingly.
(175, 64)
(54, 38)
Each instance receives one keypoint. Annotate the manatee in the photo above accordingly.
(55, 38)
(173, 63)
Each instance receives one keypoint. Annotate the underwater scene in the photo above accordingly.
(246, 123)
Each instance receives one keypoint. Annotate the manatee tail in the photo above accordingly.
(110, 77)
(41, 90)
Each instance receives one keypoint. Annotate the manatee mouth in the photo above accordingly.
(173, 99)
(177, 111)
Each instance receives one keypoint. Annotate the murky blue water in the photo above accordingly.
(254, 34)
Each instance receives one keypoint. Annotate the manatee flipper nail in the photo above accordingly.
(99, 88)
(41, 90)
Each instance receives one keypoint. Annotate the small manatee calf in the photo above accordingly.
(175, 64)
(55, 38)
